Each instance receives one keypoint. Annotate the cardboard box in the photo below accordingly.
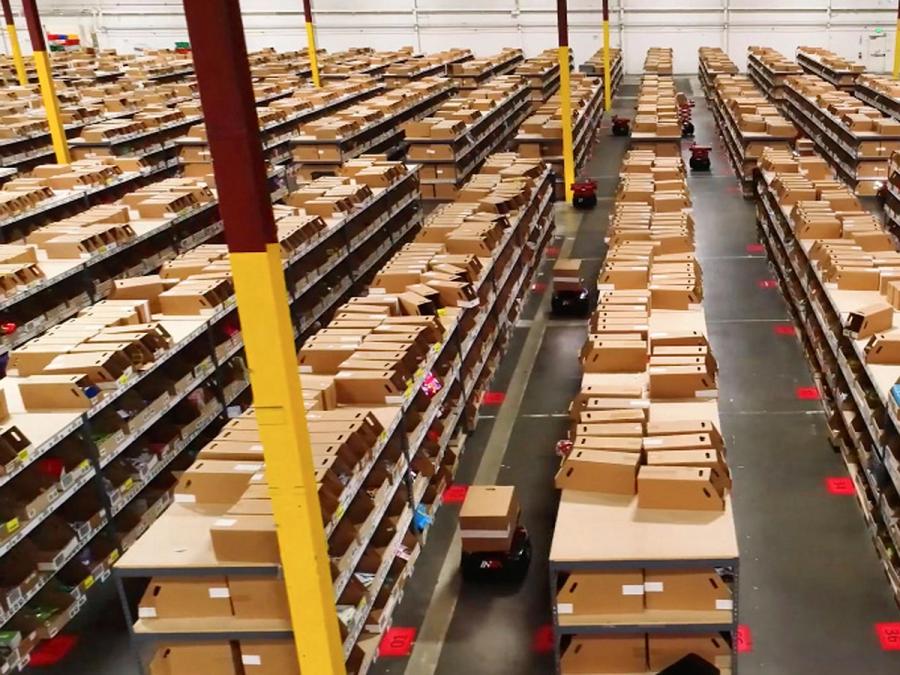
(215, 481)
(586, 593)
(245, 538)
(664, 650)
(261, 598)
(681, 382)
(185, 598)
(883, 349)
(220, 658)
(595, 655)
(488, 518)
(599, 471)
(686, 590)
(678, 488)
(866, 321)
(272, 657)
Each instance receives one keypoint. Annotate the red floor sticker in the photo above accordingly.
(397, 642)
(552, 251)
(455, 494)
(807, 393)
(50, 652)
(889, 636)
(756, 248)
(767, 283)
(543, 640)
(784, 329)
(744, 639)
(839, 485)
(493, 398)
(538, 287)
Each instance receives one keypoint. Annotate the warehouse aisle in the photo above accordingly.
(498, 630)
(811, 586)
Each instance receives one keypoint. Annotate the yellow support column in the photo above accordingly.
(45, 78)
(14, 43)
(223, 74)
(897, 45)
(607, 83)
(565, 96)
(311, 42)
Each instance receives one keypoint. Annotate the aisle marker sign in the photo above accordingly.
(455, 494)
(744, 639)
(767, 283)
(493, 398)
(888, 635)
(552, 251)
(538, 287)
(543, 640)
(397, 642)
(756, 248)
(785, 329)
(807, 393)
(840, 485)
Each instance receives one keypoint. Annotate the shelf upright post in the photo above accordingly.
(311, 42)
(14, 43)
(223, 74)
(607, 83)
(45, 78)
(565, 95)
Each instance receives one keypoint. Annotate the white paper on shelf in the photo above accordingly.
(654, 586)
(725, 604)
(565, 608)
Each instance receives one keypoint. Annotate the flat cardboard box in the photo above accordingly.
(261, 598)
(884, 349)
(220, 658)
(588, 593)
(681, 382)
(599, 471)
(185, 598)
(678, 488)
(686, 590)
(665, 650)
(270, 657)
(602, 654)
(615, 356)
(215, 481)
(488, 518)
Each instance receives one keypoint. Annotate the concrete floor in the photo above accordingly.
(811, 585)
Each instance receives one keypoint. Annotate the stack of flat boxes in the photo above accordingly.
(645, 434)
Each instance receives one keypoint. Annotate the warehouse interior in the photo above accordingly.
(418, 337)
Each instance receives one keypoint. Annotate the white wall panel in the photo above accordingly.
(487, 25)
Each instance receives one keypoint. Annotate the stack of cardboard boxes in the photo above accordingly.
(541, 73)
(472, 74)
(880, 92)
(423, 65)
(657, 121)
(594, 65)
(540, 135)
(658, 60)
(769, 69)
(645, 447)
(453, 140)
(836, 69)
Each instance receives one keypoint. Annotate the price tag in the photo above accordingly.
(23, 456)
(12, 525)
(113, 557)
(128, 484)
(88, 582)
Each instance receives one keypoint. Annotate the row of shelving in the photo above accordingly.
(856, 393)
(217, 380)
(746, 121)
(406, 491)
(619, 604)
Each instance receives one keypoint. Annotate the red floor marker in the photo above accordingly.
(784, 329)
(744, 639)
(543, 640)
(889, 636)
(839, 485)
(397, 642)
(807, 393)
(493, 398)
(538, 287)
(552, 251)
(756, 248)
(455, 494)
(50, 652)
(767, 283)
